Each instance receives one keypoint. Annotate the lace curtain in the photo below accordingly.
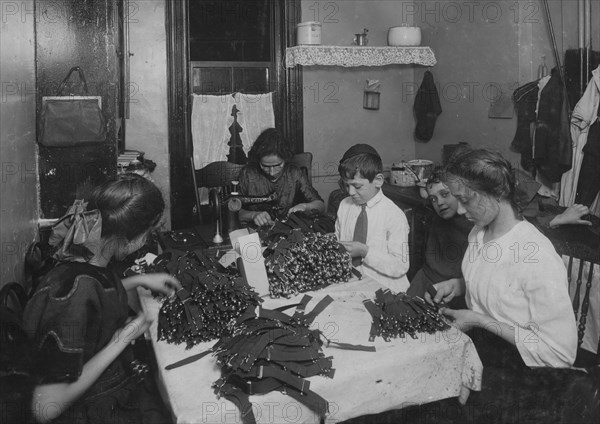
(211, 119)
(255, 115)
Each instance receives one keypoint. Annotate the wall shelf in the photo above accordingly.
(351, 56)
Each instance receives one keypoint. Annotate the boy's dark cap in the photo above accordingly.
(358, 149)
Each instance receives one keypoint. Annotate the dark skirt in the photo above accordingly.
(126, 393)
(514, 393)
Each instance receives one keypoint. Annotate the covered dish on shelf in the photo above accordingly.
(404, 36)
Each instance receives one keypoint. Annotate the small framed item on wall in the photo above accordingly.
(371, 95)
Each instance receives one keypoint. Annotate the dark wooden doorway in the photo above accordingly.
(286, 83)
(62, 43)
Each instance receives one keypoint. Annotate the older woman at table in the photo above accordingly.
(515, 283)
(269, 171)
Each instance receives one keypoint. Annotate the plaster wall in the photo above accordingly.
(485, 50)
(147, 127)
(334, 118)
(18, 182)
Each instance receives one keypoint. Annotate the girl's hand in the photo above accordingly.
(160, 282)
(446, 291)
(355, 248)
(262, 218)
(133, 329)
(464, 319)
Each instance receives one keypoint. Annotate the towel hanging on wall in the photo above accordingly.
(427, 108)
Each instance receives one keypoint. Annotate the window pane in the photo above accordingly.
(230, 30)
(211, 80)
(251, 80)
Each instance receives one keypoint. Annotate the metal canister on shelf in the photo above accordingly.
(401, 175)
(308, 33)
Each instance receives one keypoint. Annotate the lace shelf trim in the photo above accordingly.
(351, 56)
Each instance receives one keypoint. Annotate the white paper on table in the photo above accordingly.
(234, 237)
(254, 263)
(229, 258)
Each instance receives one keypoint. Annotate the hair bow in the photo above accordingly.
(77, 235)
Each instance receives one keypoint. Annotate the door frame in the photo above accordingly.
(287, 81)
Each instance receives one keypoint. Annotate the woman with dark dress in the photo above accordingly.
(269, 172)
(78, 317)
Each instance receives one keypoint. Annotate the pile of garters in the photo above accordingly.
(303, 254)
(209, 302)
(272, 351)
(396, 315)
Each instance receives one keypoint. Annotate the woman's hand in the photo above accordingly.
(571, 216)
(159, 282)
(446, 291)
(300, 207)
(262, 218)
(463, 319)
(355, 248)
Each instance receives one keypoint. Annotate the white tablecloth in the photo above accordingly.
(401, 373)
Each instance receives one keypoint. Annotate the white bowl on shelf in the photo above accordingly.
(404, 36)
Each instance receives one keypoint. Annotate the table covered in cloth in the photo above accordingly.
(401, 373)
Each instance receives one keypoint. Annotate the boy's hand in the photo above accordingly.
(355, 248)
(572, 215)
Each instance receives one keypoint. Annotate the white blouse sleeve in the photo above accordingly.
(550, 339)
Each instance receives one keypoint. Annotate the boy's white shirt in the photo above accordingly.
(387, 238)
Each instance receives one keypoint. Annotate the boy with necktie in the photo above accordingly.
(371, 227)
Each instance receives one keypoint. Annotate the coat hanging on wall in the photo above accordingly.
(427, 108)
(585, 115)
(552, 141)
(525, 100)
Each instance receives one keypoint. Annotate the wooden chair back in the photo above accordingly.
(304, 162)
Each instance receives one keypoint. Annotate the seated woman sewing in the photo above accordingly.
(269, 172)
(519, 313)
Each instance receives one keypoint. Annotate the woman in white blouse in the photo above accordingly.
(515, 284)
